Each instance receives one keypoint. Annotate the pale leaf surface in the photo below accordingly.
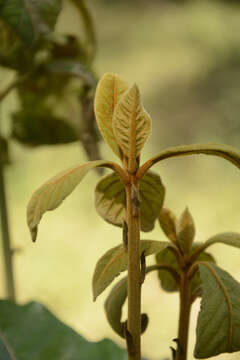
(114, 261)
(51, 194)
(109, 90)
(131, 123)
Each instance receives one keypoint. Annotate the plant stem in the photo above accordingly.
(134, 276)
(10, 289)
(184, 316)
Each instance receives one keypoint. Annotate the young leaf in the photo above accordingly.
(168, 223)
(110, 199)
(51, 194)
(114, 261)
(131, 123)
(185, 231)
(113, 308)
(30, 19)
(109, 90)
(218, 326)
(227, 152)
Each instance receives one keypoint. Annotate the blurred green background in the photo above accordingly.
(185, 57)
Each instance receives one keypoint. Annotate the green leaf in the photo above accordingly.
(168, 223)
(6, 353)
(113, 308)
(110, 199)
(168, 257)
(31, 20)
(227, 152)
(185, 231)
(218, 326)
(109, 90)
(36, 127)
(167, 281)
(114, 261)
(131, 123)
(44, 337)
(51, 194)
(196, 283)
(230, 238)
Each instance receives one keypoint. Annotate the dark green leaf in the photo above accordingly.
(42, 128)
(113, 308)
(114, 261)
(6, 353)
(34, 333)
(218, 326)
(110, 199)
(31, 20)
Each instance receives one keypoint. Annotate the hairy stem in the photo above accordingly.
(134, 275)
(184, 316)
(10, 289)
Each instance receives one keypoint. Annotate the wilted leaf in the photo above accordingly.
(113, 308)
(109, 90)
(51, 194)
(30, 19)
(110, 199)
(44, 337)
(185, 231)
(114, 261)
(131, 123)
(218, 326)
(168, 221)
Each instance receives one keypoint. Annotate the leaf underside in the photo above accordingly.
(109, 90)
(51, 194)
(110, 200)
(218, 325)
(114, 261)
(131, 123)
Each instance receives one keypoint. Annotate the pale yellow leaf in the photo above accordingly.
(109, 90)
(131, 123)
